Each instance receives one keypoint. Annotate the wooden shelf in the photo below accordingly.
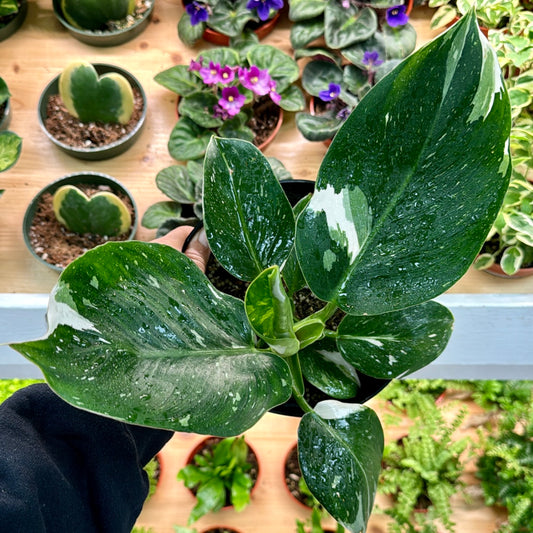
(41, 49)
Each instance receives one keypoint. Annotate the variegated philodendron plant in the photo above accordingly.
(403, 200)
(91, 98)
(95, 14)
(104, 213)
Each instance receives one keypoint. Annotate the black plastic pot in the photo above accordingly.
(15, 23)
(91, 178)
(100, 152)
(369, 386)
(5, 118)
(104, 38)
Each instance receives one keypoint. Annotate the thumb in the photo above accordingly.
(198, 249)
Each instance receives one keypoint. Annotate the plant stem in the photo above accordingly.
(325, 313)
(300, 400)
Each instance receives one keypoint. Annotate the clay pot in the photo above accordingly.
(496, 270)
(14, 23)
(82, 178)
(104, 38)
(99, 152)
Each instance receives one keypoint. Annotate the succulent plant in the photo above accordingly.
(108, 98)
(103, 213)
(95, 14)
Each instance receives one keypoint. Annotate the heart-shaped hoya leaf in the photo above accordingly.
(95, 14)
(102, 214)
(108, 98)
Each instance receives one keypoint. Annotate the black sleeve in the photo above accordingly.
(64, 470)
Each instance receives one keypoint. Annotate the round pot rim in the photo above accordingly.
(74, 178)
(5, 119)
(200, 444)
(104, 38)
(98, 152)
(11, 27)
(496, 270)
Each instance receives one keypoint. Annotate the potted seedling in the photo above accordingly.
(77, 213)
(10, 142)
(422, 470)
(93, 111)
(403, 200)
(104, 22)
(12, 15)
(217, 21)
(5, 107)
(352, 28)
(231, 94)
(221, 473)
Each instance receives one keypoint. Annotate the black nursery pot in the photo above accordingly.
(15, 22)
(295, 190)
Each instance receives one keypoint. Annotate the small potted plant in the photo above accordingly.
(505, 467)
(422, 470)
(381, 235)
(231, 94)
(220, 472)
(77, 213)
(352, 28)
(335, 90)
(12, 15)
(93, 111)
(104, 22)
(10, 142)
(217, 21)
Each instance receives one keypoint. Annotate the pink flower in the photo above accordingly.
(196, 65)
(255, 79)
(232, 100)
(211, 74)
(274, 96)
(227, 74)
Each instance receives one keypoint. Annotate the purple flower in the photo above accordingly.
(220, 112)
(263, 7)
(371, 59)
(227, 74)
(196, 65)
(211, 74)
(274, 96)
(331, 93)
(255, 79)
(397, 16)
(198, 12)
(232, 100)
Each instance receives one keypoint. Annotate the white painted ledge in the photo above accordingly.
(492, 336)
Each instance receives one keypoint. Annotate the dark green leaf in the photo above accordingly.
(305, 9)
(340, 448)
(188, 33)
(345, 26)
(318, 74)
(161, 352)
(223, 55)
(428, 148)
(292, 99)
(179, 79)
(395, 344)
(235, 128)
(324, 367)
(188, 140)
(306, 31)
(248, 219)
(230, 18)
(199, 108)
(175, 182)
(317, 127)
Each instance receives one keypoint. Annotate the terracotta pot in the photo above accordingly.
(261, 31)
(104, 38)
(100, 152)
(202, 444)
(484, 30)
(295, 474)
(93, 178)
(158, 474)
(268, 140)
(312, 111)
(16, 22)
(496, 270)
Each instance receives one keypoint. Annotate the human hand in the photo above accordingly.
(198, 249)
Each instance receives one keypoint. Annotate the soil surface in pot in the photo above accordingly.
(6, 19)
(220, 530)
(141, 7)
(264, 120)
(250, 458)
(59, 246)
(70, 131)
(293, 475)
(2, 110)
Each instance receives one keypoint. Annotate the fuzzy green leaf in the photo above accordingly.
(188, 140)
(179, 79)
(345, 26)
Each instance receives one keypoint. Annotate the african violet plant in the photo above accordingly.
(231, 18)
(338, 89)
(351, 27)
(220, 90)
(403, 200)
(104, 213)
(95, 14)
(89, 97)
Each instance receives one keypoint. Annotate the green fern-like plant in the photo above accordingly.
(108, 98)
(505, 467)
(422, 470)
